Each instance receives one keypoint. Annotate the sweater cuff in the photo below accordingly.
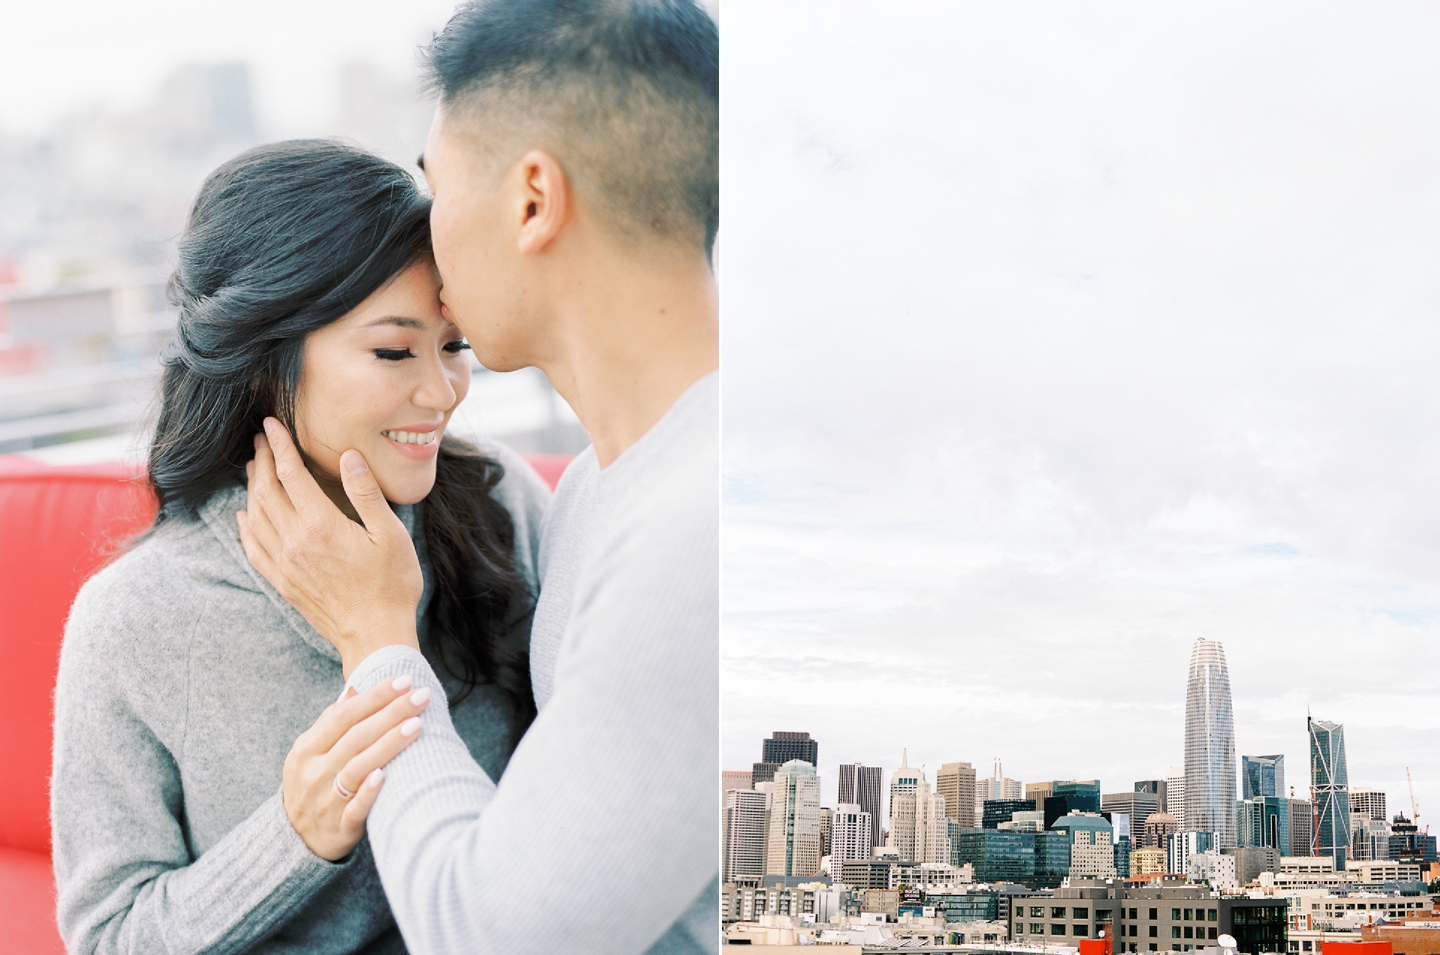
(377, 665)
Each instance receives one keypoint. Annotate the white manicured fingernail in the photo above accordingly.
(375, 779)
(420, 697)
(410, 727)
(401, 682)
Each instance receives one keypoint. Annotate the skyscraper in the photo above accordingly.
(743, 849)
(1262, 776)
(1330, 785)
(956, 782)
(1302, 827)
(782, 747)
(1175, 795)
(904, 788)
(864, 786)
(849, 834)
(1209, 745)
(997, 786)
(793, 843)
(1369, 801)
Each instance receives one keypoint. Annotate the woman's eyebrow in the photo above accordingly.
(396, 320)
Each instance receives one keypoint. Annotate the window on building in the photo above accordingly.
(1132, 913)
(1154, 947)
(1081, 913)
(1189, 914)
(1082, 930)
(1134, 930)
(1037, 928)
(1154, 913)
(1056, 929)
(1037, 911)
(1212, 915)
(1211, 931)
(1174, 915)
(1175, 933)
(1057, 912)
(1305, 946)
(1154, 931)
(1189, 932)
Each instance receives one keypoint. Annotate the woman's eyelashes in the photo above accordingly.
(398, 354)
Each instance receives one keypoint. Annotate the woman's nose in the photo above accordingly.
(435, 389)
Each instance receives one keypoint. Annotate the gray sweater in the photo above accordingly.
(603, 835)
(184, 680)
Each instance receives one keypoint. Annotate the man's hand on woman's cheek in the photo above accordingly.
(358, 586)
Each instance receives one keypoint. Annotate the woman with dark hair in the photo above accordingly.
(306, 291)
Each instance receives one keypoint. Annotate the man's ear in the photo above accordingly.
(545, 201)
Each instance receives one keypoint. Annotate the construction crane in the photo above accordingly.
(1414, 806)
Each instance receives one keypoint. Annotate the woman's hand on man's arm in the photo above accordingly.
(343, 753)
(358, 586)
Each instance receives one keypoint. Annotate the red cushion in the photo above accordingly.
(27, 905)
(57, 526)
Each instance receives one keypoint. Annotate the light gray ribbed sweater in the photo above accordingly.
(184, 680)
(603, 835)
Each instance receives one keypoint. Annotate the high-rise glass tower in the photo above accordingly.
(1262, 776)
(1209, 745)
(1330, 784)
(865, 786)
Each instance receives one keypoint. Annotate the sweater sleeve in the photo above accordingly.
(126, 879)
(608, 803)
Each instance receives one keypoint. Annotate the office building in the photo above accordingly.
(1408, 844)
(1155, 787)
(792, 846)
(956, 782)
(865, 787)
(1330, 784)
(998, 786)
(826, 818)
(1070, 795)
(1209, 744)
(779, 749)
(1024, 821)
(1139, 806)
(996, 811)
(1092, 845)
(744, 836)
(1148, 860)
(1302, 827)
(735, 779)
(1184, 845)
(1039, 792)
(1250, 861)
(1052, 859)
(1264, 821)
(1369, 801)
(1214, 868)
(1262, 776)
(1158, 827)
(1123, 843)
(850, 831)
(1175, 795)
(919, 830)
(1369, 838)
(998, 856)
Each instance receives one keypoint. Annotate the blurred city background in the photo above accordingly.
(99, 163)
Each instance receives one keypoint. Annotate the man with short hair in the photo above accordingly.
(574, 166)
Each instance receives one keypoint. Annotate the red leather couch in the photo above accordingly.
(58, 525)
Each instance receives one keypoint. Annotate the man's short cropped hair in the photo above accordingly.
(623, 93)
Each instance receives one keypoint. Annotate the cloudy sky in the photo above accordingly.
(1057, 339)
(59, 57)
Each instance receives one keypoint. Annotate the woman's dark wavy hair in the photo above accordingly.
(282, 240)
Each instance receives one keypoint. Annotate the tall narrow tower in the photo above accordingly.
(1330, 789)
(1209, 745)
